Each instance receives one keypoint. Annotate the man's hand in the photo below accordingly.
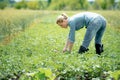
(64, 50)
(68, 46)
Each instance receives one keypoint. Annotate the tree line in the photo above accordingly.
(62, 4)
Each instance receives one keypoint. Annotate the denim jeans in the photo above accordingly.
(96, 29)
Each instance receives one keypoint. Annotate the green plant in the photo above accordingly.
(36, 52)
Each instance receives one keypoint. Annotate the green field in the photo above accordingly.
(35, 52)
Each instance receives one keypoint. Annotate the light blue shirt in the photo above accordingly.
(78, 21)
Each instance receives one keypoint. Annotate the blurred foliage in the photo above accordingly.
(3, 4)
(49, 1)
(68, 5)
(33, 5)
(30, 5)
(104, 4)
(84, 4)
(20, 5)
(62, 4)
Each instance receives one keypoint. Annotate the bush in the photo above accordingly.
(3, 4)
(33, 5)
(69, 5)
(20, 5)
(104, 4)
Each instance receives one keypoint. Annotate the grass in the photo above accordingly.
(37, 52)
(13, 21)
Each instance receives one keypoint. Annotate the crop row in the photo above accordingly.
(13, 21)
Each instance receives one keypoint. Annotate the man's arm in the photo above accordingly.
(71, 38)
(68, 46)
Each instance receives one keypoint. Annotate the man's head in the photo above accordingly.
(62, 20)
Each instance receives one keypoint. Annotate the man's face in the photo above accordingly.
(63, 24)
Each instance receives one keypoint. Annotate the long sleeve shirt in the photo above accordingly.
(78, 21)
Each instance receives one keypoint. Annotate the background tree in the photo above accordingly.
(68, 5)
(49, 1)
(104, 4)
(83, 4)
(3, 4)
(21, 4)
(33, 5)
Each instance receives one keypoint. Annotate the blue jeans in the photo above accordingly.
(95, 28)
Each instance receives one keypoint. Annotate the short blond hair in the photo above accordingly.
(61, 17)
